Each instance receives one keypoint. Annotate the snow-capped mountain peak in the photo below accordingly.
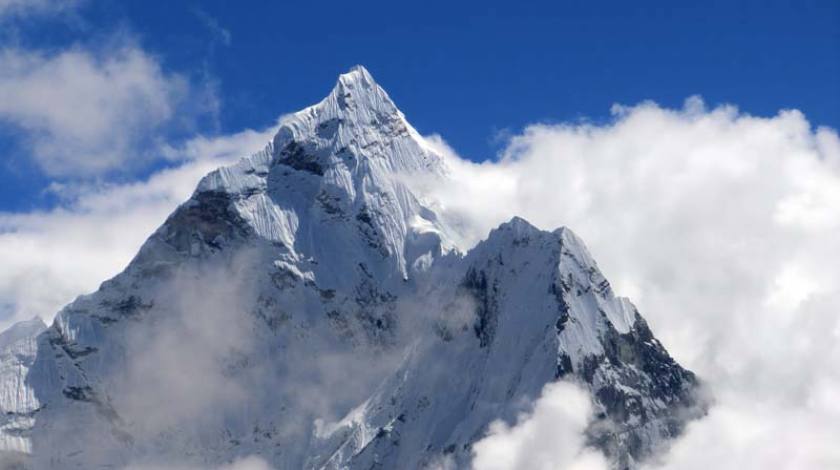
(357, 119)
(306, 305)
(345, 159)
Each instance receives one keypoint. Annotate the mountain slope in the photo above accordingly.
(306, 306)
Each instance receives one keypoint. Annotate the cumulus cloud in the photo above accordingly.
(51, 256)
(721, 226)
(84, 112)
(551, 437)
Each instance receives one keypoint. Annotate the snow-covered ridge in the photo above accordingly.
(341, 158)
(307, 306)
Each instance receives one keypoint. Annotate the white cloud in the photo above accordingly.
(50, 257)
(81, 112)
(548, 438)
(722, 227)
(744, 434)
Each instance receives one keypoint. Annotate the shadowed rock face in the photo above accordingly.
(306, 306)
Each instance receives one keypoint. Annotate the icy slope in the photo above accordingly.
(330, 172)
(305, 306)
(18, 348)
(542, 311)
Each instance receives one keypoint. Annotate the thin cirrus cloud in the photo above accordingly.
(219, 32)
(12, 9)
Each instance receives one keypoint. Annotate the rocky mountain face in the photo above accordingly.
(306, 305)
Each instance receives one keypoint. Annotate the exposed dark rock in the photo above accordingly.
(294, 155)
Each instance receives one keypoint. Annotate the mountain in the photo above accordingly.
(307, 305)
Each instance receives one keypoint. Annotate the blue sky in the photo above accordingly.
(471, 73)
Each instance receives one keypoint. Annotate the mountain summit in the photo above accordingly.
(335, 172)
(307, 306)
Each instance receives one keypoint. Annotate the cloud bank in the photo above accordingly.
(722, 228)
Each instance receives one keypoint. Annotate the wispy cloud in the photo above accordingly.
(51, 256)
(15, 9)
(212, 24)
